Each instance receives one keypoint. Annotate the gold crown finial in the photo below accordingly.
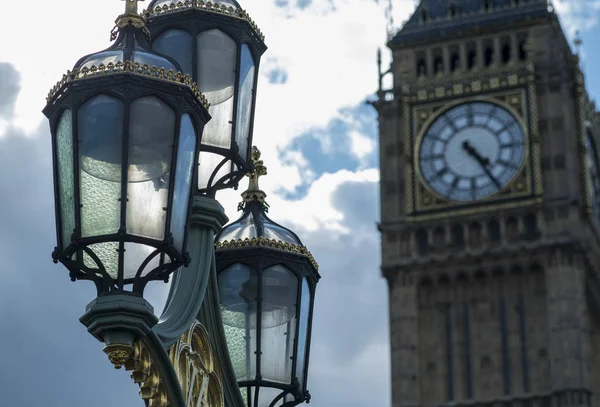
(131, 16)
(253, 193)
(131, 6)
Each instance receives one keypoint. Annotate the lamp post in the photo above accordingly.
(138, 156)
(267, 281)
(126, 126)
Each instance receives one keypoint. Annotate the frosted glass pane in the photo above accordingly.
(217, 132)
(278, 323)
(207, 164)
(242, 229)
(303, 331)
(108, 254)
(145, 58)
(105, 58)
(217, 56)
(100, 135)
(178, 45)
(238, 292)
(273, 231)
(135, 254)
(66, 184)
(183, 180)
(151, 133)
(145, 209)
(244, 104)
(100, 206)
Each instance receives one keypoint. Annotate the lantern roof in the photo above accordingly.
(169, 3)
(224, 7)
(254, 228)
(130, 53)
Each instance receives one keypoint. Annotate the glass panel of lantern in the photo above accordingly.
(239, 310)
(148, 181)
(217, 59)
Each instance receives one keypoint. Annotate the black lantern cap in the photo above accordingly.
(267, 281)
(255, 225)
(126, 125)
(131, 53)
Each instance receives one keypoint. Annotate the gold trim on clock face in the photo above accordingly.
(470, 151)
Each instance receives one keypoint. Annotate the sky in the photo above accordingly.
(319, 143)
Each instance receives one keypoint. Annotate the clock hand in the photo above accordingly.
(483, 161)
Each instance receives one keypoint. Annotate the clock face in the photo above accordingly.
(471, 151)
(594, 176)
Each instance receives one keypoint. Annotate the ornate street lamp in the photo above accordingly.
(267, 281)
(219, 46)
(126, 126)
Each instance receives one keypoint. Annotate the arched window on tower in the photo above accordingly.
(522, 51)
(458, 236)
(512, 228)
(506, 53)
(439, 237)
(531, 226)
(454, 62)
(424, 15)
(438, 64)
(421, 67)
(488, 56)
(422, 240)
(471, 59)
(452, 10)
(494, 230)
(475, 234)
(487, 5)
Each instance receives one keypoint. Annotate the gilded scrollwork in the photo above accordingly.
(146, 374)
(195, 364)
(264, 242)
(197, 368)
(126, 67)
(206, 6)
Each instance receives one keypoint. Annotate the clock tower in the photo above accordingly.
(490, 209)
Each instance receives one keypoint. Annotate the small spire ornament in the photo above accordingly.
(254, 193)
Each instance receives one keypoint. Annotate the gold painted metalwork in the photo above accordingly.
(197, 367)
(206, 6)
(195, 363)
(118, 354)
(265, 242)
(146, 375)
(254, 193)
(126, 67)
(132, 17)
(420, 199)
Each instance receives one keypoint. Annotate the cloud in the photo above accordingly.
(9, 89)
(581, 15)
(39, 306)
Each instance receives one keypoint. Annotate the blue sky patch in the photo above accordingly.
(329, 149)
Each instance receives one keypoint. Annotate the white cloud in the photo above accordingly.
(361, 144)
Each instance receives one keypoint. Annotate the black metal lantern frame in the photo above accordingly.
(123, 81)
(260, 258)
(195, 17)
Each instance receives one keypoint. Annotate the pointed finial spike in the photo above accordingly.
(131, 6)
(253, 193)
